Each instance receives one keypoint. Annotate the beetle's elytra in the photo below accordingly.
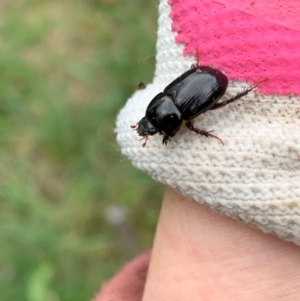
(191, 94)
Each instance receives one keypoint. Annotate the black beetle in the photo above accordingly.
(191, 94)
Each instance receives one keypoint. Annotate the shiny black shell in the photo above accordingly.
(191, 94)
(197, 90)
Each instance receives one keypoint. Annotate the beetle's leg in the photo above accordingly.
(144, 144)
(166, 139)
(146, 139)
(191, 127)
(236, 97)
(197, 57)
(197, 64)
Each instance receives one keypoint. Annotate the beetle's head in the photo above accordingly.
(144, 128)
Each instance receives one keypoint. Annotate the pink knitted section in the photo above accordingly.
(240, 39)
(284, 13)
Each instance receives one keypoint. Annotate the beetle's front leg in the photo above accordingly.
(191, 127)
(166, 139)
(144, 137)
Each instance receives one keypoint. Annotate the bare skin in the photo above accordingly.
(200, 255)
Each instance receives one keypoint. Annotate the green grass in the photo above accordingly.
(66, 69)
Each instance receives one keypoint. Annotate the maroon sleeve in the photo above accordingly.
(128, 283)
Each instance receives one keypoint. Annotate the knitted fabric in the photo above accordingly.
(254, 177)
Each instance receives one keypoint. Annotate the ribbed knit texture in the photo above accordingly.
(253, 177)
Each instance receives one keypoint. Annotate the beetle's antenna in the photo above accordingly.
(134, 126)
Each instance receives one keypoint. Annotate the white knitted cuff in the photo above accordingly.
(253, 177)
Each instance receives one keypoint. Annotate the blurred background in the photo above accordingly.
(72, 209)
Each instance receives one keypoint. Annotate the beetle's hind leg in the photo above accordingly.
(236, 97)
(190, 126)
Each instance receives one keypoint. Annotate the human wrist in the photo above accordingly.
(198, 253)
